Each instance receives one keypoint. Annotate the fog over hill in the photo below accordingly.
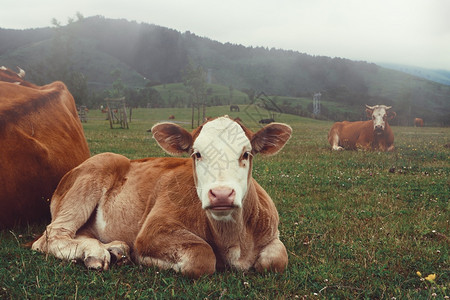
(91, 54)
(437, 75)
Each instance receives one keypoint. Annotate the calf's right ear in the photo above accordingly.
(172, 138)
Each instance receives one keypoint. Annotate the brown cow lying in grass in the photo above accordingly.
(193, 215)
(41, 139)
(374, 134)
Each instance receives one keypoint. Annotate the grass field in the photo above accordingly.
(356, 224)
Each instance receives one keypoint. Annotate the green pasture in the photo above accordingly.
(357, 225)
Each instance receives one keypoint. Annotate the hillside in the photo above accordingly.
(86, 55)
(440, 76)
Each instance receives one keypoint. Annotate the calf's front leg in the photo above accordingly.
(272, 257)
(179, 249)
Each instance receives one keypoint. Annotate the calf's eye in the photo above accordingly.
(245, 155)
(197, 155)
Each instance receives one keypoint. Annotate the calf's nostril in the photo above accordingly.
(222, 193)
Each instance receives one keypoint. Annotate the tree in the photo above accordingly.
(194, 78)
(59, 63)
(251, 93)
(118, 87)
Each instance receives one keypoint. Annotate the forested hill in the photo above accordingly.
(85, 53)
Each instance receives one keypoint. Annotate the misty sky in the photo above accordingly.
(412, 32)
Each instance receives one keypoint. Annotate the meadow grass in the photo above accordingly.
(356, 224)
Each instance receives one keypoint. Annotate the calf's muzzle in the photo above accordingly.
(221, 198)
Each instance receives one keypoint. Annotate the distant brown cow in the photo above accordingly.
(193, 215)
(41, 139)
(375, 134)
(418, 122)
(171, 117)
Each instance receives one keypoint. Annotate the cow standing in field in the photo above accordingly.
(374, 134)
(41, 139)
(234, 108)
(266, 121)
(193, 215)
(418, 122)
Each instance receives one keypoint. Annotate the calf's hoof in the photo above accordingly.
(119, 255)
(95, 263)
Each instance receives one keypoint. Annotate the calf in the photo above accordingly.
(374, 134)
(193, 215)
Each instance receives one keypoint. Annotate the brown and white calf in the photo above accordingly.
(374, 134)
(193, 215)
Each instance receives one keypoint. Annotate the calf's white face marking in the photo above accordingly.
(222, 165)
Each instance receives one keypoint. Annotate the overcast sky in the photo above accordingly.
(412, 32)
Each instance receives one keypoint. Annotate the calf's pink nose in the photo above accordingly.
(221, 196)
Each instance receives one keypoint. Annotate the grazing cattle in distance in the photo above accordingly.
(171, 117)
(374, 134)
(418, 122)
(234, 108)
(194, 215)
(41, 139)
(266, 121)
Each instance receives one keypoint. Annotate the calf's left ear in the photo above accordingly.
(271, 138)
(172, 138)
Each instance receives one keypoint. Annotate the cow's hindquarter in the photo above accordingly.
(348, 135)
(43, 139)
(364, 137)
(333, 136)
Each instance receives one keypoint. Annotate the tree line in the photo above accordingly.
(97, 57)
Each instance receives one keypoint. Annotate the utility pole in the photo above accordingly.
(316, 103)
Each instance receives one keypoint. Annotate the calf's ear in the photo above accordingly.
(172, 138)
(391, 114)
(271, 138)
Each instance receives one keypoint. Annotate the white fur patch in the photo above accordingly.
(378, 116)
(221, 144)
(100, 222)
(162, 264)
(222, 218)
